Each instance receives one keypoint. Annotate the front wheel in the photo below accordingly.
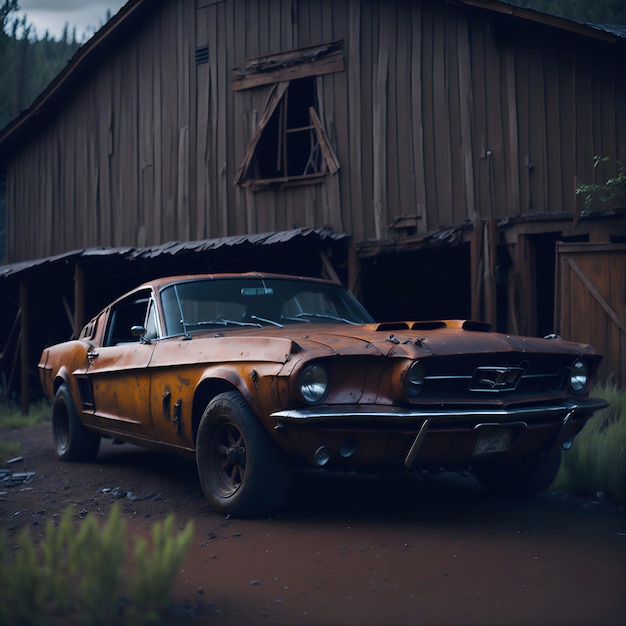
(241, 470)
(72, 441)
(523, 478)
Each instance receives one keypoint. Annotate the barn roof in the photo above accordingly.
(123, 23)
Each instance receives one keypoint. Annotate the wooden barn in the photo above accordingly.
(427, 151)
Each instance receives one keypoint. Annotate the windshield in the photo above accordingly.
(238, 302)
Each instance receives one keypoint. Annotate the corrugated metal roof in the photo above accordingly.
(619, 31)
(176, 247)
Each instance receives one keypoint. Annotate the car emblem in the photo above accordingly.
(496, 378)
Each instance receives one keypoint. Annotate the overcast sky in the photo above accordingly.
(52, 15)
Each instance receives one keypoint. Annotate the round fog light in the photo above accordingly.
(347, 448)
(322, 455)
(567, 444)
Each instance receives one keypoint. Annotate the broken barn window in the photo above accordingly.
(290, 146)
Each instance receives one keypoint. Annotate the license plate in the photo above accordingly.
(493, 441)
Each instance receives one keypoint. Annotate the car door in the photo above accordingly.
(118, 374)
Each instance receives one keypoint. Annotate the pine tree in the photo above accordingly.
(27, 64)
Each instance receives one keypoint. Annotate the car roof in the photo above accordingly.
(159, 283)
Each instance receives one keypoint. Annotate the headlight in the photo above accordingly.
(314, 383)
(414, 381)
(578, 376)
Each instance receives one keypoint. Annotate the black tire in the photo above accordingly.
(241, 470)
(521, 478)
(72, 441)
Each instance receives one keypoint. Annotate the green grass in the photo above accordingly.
(596, 462)
(11, 415)
(11, 418)
(8, 449)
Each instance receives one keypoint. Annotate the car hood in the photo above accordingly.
(411, 339)
(398, 339)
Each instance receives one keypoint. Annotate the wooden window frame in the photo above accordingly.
(326, 58)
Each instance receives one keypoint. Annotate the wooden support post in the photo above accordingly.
(354, 273)
(79, 299)
(490, 255)
(24, 345)
(328, 268)
(476, 250)
(526, 268)
(556, 320)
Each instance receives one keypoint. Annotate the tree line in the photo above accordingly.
(27, 64)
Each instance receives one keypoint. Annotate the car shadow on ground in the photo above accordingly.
(336, 496)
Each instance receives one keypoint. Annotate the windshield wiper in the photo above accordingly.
(328, 317)
(223, 322)
(264, 319)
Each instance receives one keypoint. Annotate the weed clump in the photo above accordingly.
(596, 461)
(78, 574)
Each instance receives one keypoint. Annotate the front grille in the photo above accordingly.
(470, 376)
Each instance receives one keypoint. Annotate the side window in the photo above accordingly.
(124, 315)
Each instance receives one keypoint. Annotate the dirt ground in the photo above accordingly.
(348, 549)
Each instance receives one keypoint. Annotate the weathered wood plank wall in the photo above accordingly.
(442, 111)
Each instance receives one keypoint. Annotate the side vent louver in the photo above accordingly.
(202, 55)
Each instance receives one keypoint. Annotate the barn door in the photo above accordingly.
(590, 299)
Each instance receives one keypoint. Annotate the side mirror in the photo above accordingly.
(139, 331)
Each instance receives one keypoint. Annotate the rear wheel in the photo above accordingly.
(72, 441)
(525, 477)
(241, 470)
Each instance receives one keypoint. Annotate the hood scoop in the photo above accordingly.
(435, 325)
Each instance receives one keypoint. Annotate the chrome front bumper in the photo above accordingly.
(402, 414)
(486, 418)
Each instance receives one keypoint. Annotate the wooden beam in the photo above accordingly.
(525, 261)
(476, 269)
(327, 66)
(24, 345)
(558, 304)
(79, 299)
(315, 60)
(490, 252)
(354, 273)
(329, 269)
(330, 158)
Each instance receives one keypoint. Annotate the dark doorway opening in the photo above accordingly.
(418, 285)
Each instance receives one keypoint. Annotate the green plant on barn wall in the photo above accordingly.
(607, 196)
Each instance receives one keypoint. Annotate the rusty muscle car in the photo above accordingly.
(251, 375)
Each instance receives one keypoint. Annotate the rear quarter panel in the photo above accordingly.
(58, 364)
